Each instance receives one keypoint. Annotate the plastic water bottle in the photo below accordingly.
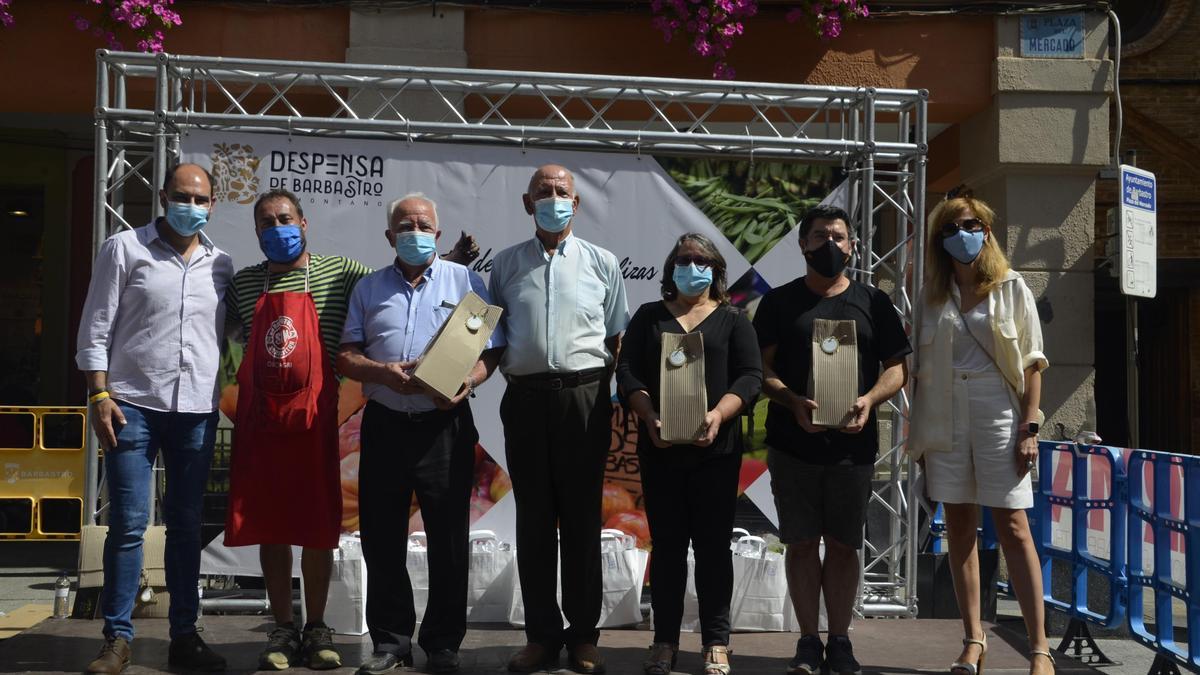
(62, 592)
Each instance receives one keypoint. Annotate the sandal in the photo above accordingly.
(971, 668)
(713, 666)
(661, 659)
(1040, 652)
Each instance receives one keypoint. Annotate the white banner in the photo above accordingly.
(628, 205)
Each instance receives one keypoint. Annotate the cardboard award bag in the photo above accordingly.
(453, 352)
(683, 400)
(833, 378)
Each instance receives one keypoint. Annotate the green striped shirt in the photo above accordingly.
(331, 280)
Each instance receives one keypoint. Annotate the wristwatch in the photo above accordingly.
(1031, 428)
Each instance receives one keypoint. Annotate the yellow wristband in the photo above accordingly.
(98, 396)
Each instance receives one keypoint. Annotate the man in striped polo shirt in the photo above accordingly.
(284, 478)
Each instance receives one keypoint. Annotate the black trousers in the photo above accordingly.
(557, 443)
(690, 500)
(433, 455)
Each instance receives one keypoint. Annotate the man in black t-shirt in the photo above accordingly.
(821, 477)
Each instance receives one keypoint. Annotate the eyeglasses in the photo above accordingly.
(700, 263)
(966, 225)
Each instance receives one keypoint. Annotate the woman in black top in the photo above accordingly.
(690, 490)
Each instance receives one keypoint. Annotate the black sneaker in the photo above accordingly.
(188, 652)
(809, 656)
(319, 652)
(839, 656)
(283, 644)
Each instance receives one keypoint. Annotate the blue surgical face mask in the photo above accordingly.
(415, 248)
(553, 214)
(186, 219)
(282, 243)
(690, 280)
(964, 246)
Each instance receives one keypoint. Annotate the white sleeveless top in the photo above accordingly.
(969, 356)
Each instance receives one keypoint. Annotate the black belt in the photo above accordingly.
(558, 381)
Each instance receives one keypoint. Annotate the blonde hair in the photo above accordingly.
(991, 266)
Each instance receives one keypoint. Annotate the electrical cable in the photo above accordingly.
(1116, 39)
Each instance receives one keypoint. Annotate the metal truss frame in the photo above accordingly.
(144, 102)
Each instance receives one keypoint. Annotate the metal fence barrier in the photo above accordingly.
(1152, 500)
(43, 460)
(1173, 523)
(1081, 560)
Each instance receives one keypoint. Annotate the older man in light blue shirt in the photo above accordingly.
(413, 439)
(564, 310)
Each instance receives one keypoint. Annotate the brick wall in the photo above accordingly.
(1162, 122)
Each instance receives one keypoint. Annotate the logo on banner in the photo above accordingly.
(235, 172)
(331, 178)
(12, 473)
(282, 338)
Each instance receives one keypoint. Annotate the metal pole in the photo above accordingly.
(99, 231)
(161, 92)
(1131, 354)
(917, 283)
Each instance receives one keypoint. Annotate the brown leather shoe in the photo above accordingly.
(534, 656)
(113, 657)
(585, 658)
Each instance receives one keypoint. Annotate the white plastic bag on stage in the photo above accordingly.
(490, 579)
(346, 608)
(622, 569)
(759, 587)
(418, 571)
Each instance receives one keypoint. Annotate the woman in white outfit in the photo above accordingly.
(976, 417)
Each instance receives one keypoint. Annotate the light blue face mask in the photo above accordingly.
(186, 219)
(690, 280)
(964, 246)
(553, 214)
(415, 248)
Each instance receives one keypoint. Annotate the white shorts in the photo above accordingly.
(981, 467)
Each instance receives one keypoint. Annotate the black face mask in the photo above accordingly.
(827, 259)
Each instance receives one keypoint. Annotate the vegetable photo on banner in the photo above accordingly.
(754, 204)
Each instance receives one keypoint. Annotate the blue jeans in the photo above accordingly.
(186, 441)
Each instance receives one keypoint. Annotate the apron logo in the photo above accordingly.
(282, 338)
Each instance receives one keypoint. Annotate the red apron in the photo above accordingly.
(284, 482)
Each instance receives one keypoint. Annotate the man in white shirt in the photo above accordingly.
(564, 310)
(149, 342)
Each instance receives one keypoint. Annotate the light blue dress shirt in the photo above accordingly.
(395, 322)
(558, 309)
(154, 322)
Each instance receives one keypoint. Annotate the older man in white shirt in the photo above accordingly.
(564, 310)
(149, 343)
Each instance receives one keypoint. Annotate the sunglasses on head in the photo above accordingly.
(966, 225)
(685, 260)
